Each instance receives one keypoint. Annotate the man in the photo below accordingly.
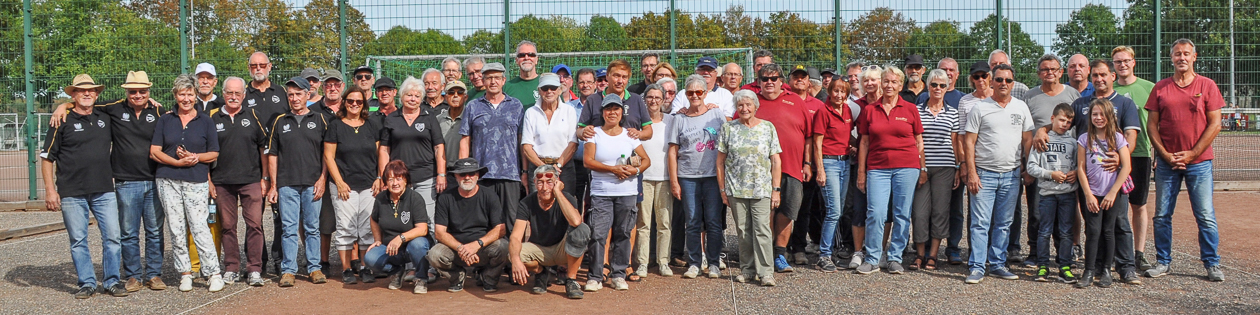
(647, 65)
(566, 82)
(524, 86)
(636, 119)
(732, 77)
(450, 69)
(827, 74)
(298, 180)
(952, 95)
(1184, 118)
(490, 132)
(1078, 75)
(434, 82)
(717, 97)
(586, 87)
(312, 76)
(669, 86)
(1041, 101)
(998, 133)
(385, 101)
(791, 119)
(809, 219)
(363, 77)
(853, 71)
(914, 79)
(469, 223)
(472, 66)
(761, 58)
(824, 78)
(998, 57)
(450, 119)
(558, 237)
(1128, 84)
(76, 184)
(601, 78)
(238, 179)
(267, 99)
(206, 81)
(334, 84)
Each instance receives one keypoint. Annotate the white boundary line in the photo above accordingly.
(247, 287)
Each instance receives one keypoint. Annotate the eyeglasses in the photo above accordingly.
(770, 79)
(545, 175)
(1121, 60)
(979, 76)
(134, 92)
(548, 88)
(354, 102)
(671, 92)
(695, 93)
(653, 98)
(363, 77)
(601, 79)
(938, 85)
(1003, 80)
(523, 55)
(258, 65)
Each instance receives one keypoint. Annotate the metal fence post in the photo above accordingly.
(183, 36)
(1233, 92)
(1155, 50)
(673, 35)
(835, 20)
(999, 26)
(32, 172)
(341, 29)
(507, 32)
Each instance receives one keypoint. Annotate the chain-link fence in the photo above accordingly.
(108, 38)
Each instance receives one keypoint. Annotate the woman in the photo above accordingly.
(748, 165)
(657, 202)
(614, 190)
(832, 128)
(693, 177)
(1106, 192)
(183, 145)
(414, 136)
(933, 196)
(890, 154)
(350, 148)
(549, 133)
(664, 70)
(871, 82)
(399, 228)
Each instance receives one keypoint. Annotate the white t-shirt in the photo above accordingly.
(724, 99)
(1000, 133)
(549, 138)
(607, 150)
(656, 149)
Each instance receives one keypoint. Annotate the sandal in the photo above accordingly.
(930, 264)
(633, 278)
(918, 261)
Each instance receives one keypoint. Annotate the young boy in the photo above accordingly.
(1056, 175)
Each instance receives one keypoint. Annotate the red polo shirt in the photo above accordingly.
(791, 120)
(1183, 112)
(892, 143)
(835, 126)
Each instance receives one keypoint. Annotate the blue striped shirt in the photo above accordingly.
(937, 146)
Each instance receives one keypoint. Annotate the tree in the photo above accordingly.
(322, 45)
(1093, 31)
(795, 40)
(540, 31)
(649, 31)
(604, 34)
(1022, 50)
(941, 39)
(483, 42)
(742, 30)
(880, 35)
(401, 40)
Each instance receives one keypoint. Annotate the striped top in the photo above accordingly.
(937, 146)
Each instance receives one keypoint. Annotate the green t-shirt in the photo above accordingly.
(1139, 91)
(524, 90)
(476, 93)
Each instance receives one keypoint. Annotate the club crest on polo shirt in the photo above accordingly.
(245, 122)
(126, 117)
(251, 102)
(149, 118)
(285, 128)
(219, 127)
(310, 125)
(78, 127)
(275, 99)
(405, 217)
(420, 127)
(901, 119)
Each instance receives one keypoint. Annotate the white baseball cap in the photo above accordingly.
(205, 67)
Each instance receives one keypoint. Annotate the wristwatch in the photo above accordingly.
(480, 243)
(778, 189)
(924, 169)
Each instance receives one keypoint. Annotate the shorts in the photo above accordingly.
(790, 196)
(546, 256)
(1141, 180)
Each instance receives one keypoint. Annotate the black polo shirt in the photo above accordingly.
(634, 114)
(394, 219)
(434, 110)
(198, 136)
(321, 106)
(267, 103)
(638, 88)
(80, 147)
(548, 226)
(241, 139)
(356, 151)
(413, 143)
(299, 148)
(468, 219)
(205, 107)
(909, 95)
(132, 135)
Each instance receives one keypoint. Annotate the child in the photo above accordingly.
(1102, 190)
(1055, 169)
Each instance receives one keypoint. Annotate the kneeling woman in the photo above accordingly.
(399, 224)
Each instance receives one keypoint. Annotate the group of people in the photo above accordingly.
(525, 175)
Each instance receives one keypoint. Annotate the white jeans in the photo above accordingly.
(352, 218)
(186, 207)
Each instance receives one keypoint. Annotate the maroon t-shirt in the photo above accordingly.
(1183, 112)
(892, 141)
(791, 119)
(835, 126)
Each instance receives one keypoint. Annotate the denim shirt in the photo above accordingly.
(494, 136)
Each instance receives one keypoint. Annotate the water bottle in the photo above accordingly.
(622, 160)
(214, 212)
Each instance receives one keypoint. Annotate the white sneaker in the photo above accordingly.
(216, 283)
(185, 283)
(714, 273)
(620, 284)
(641, 271)
(856, 260)
(722, 264)
(255, 279)
(593, 285)
(666, 271)
(230, 277)
(692, 272)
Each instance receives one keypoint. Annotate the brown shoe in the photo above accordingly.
(317, 277)
(133, 285)
(286, 280)
(156, 284)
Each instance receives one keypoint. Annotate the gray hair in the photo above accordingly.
(855, 64)
(1049, 57)
(474, 60)
(526, 42)
(450, 60)
(434, 71)
(937, 74)
(746, 95)
(546, 168)
(1183, 41)
(946, 59)
(696, 79)
(654, 86)
(183, 82)
(411, 83)
(230, 79)
(998, 51)
(760, 53)
(815, 82)
(667, 80)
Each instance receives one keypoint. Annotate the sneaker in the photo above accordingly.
(1104, 279)
(287, 280)
(317, 277)
(156, 284)
(255, 279)
(974, 277)
(85, 292)
(742, 278)
(230, 277)
(396, 282)
(1158, 271)
(894, 267)
(117, 290)
(800, 259)
(722, 264)
(457, 281)
(1131, 277)
(1215, 274)
(856, 260)
(541, 281)
(781, 264)
(1003, 273)
(216, 283)
(883, 260)
(619, 284)
(825, 264)
(348, 277)
(866, 269)
(1086, 280)
(1015, 257)
(368, 275)
(1043, 274)
(955, 259)
(641, 271)
(185, 283)
(691, 273)
(1142, 263)
(1078, 253)
(572, 290)
(1065, 274)
(767, 281)
(133, 285)
(714, 272)
(595, 285)
(421, 288)
(666, 271)
(1030, 262)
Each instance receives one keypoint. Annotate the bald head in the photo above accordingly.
(259, 66)
(732, 76)
(1078, 71)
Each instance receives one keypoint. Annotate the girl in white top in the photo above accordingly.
(549, 133)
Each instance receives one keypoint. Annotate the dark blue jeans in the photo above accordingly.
(703, 202)
(1057, 213)
(411, 252)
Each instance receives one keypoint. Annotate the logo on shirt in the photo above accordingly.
(310, 125)
(149, 118)
(78, 127)
(219, 126)
(405, 217)
(100, 123)
(251, 102)
(420, 127)
(275, 99)
(126, 117)
(285, 128)
(1017, 120)
(244, 122)
(902, 119)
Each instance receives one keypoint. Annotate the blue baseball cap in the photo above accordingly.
(299, 82)
(602, 72)
(559, 67)
(707, 62)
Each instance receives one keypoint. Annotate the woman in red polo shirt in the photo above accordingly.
(890, 155)
(832, 127)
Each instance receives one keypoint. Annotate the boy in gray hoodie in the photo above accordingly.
(1055, 170)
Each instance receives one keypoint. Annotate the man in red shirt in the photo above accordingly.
(1184, 118)
(761, 58)
(809, 221)
(791, 118)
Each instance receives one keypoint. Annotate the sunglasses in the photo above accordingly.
(523, 55)
(548, 88)
(938, 85)
(363, 77)
(134, 92)
(1003, 80)
(258, 65)
(354, 102)
(545, 175)
(771, 79)
(695, 93)
(978, 76)
(671, 91)
(455, 92)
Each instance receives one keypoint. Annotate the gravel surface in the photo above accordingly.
(21, 219)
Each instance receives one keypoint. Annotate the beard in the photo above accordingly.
(258, 76)
(467, 186)
(916, 78)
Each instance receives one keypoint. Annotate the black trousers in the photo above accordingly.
(809, 222)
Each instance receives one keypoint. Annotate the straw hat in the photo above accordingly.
(83, 81)
(137, 80)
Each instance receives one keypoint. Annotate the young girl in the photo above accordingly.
(1102, 189)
